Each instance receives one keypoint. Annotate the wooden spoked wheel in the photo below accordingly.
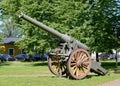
(56, 65)
(79, 64)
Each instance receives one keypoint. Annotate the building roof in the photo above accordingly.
(9, 40)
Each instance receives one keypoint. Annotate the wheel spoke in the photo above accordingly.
(81, 55)
(79, 64)
(85, 66)
(74, 71)
(81, 71)
(77, 72)
(85, 60)
(56, 66)
(73, 64)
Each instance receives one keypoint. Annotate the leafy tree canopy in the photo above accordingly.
(92, 22)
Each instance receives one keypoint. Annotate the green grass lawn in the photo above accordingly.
(23, 68)
(29, 74)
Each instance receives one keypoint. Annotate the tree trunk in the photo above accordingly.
(97, 58)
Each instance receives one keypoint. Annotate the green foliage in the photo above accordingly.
(1, 37)
(92, 22)
(104, 17)
(9, 26)
(64, 16)
(10, 8)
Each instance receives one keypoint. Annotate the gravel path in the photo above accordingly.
(24, 75)
(112, 83)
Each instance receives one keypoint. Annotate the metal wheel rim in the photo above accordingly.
(79, 64)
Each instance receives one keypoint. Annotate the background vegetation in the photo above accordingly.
(93, 22)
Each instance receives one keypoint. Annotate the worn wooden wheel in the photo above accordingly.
(79, 64)
(56, 65)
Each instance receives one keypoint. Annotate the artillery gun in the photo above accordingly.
(71, 57)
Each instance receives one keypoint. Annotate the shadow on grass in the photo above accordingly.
(41, 64)
(70, 78)
(4, 63)
(111, 66)
(90, 76)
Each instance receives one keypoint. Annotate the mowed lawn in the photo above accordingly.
(38, 74)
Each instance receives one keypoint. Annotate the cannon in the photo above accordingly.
(70, 57)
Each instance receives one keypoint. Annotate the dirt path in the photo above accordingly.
(24, 75)
(112, 83)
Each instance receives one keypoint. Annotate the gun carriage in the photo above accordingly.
(71, 57)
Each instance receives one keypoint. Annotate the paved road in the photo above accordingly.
(112, 83)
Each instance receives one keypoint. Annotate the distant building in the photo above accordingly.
(8, 47)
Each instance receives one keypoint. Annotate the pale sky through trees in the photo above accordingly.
(0, 15)
(0, 22)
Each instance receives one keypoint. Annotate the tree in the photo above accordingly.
(105, 19)
(1, 38)
(89, 21)
(1, 48)
(8, 29)
(9, 26)
(103, 16)
(64, 16)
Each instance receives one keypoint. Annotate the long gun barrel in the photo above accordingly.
(65, 38)
(71, 56)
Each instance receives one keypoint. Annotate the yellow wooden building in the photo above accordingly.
(8, 47)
